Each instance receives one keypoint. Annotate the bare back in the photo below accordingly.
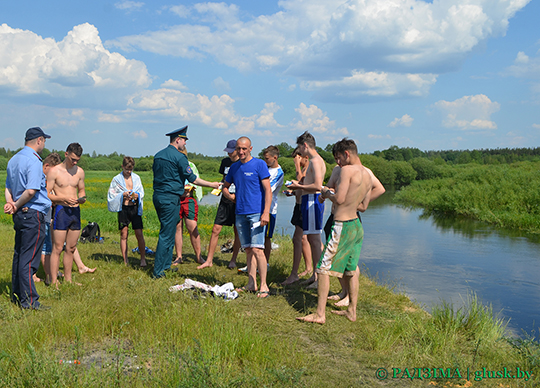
(352, 186)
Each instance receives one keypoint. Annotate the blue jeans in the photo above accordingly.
(250, 237)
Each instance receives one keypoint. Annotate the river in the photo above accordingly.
(432, 259)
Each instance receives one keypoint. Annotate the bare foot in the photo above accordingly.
(143, 263)
(290, 280)
(232, 265)
(309, 281)
(36, 279)
(350, 316)
(306, 272)
(343, 302)
(87, 270)
(313, 286)
(312, 318)
(200, 260)
(334, 297)
(178, 260)
(206, 264)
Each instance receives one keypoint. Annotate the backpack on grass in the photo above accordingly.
(91, 233)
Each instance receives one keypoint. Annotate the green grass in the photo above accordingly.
(127, 330)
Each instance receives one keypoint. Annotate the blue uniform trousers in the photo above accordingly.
(168, 211)
(29, 236)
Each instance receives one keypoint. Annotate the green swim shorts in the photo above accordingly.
(340, 256)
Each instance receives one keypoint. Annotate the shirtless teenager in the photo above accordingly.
(312, 209)
(300, 241)
(376, 190)
(65, 185)
(340, 257)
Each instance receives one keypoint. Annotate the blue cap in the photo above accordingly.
(34, 133)
(231, 146)
(181, 132)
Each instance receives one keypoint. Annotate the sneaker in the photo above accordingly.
(243, 269)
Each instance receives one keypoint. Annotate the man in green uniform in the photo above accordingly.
(171, 170)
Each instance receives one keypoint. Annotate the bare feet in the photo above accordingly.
(312, 318)
(306, 272)
(309, 281)
(143, 263)
(232, 265)
(206, 264)
(36, 279)
(313, 286)
(334, 297)
(178, 260)
(200, 260)
(350, 316)
(343, 302)
(290, 280)
(87, 270)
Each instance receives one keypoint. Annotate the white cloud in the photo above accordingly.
(536, 126)
(313, 119)
(221, 85)
(371, 136)
(108, 118)
(405, 121)
(129, 5)
(78, 67)
(368, 47)
(469, 113)
(173, 84)
(140, 134)
(266, 118)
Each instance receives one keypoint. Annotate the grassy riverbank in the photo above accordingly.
(504, 195)
(127, 330)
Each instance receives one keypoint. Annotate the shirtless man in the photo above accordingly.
(312, 209)
(376, 190)
(340, 257)
(65, 185)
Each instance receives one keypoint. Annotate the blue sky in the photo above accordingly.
(117, 76)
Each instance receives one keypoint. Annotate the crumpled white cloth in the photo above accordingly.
(225, 291)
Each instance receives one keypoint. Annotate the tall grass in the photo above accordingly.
(507, 195)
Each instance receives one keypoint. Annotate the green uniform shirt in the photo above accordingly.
(171, 170)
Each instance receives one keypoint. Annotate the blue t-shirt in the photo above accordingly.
(247, 178)
(24, 172)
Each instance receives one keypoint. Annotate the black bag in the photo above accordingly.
(90, 233)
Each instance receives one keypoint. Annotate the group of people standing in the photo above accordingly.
(249, 203)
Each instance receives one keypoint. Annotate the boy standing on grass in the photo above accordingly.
(65, 185)
(312, 209)
(340, 256)
(271, 154)
(125, 196)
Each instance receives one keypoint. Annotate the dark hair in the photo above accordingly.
(128, 162)
(53, 159)
(344, 145)
(74, 148)
(272, 150)
(296, 152)
(307, 138)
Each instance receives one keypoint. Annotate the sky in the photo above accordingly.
(117, 76)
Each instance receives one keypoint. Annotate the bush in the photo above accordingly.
(425, 169)
(405, 174)
(382, 169)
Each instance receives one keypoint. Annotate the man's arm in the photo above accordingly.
(202, 182)
(334, 177)
(226, 193)
(80, 186)
(377, 189)
(265, 217)
(27, 195)
(318, 176)
(338, 197)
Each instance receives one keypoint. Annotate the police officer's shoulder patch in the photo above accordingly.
(189, 170)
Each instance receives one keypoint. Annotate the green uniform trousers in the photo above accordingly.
(168, 211)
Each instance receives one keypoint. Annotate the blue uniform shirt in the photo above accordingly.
(25, 172)
(171, 170)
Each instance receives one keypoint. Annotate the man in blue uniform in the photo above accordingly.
(27, 200)
(171, 170)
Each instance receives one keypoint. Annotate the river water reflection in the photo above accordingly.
(432, 259)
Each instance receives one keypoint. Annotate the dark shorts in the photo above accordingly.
(296, 219)
(269, 232)
(128, 215)
(66, 217)
(189, 209)
(226, 213)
